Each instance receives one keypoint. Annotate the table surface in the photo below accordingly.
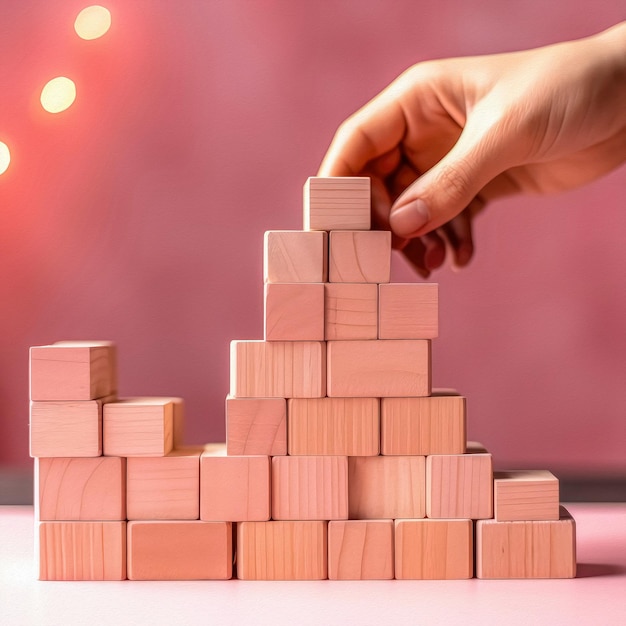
(596, 596)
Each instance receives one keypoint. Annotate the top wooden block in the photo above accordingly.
(525, 495)
(338, 203)
(295, 256)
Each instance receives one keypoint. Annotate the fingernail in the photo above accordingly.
(409, 218)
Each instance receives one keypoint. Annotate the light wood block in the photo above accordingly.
(73, 370)
(82, 550)
(408, 311)
(430, 549)
(378, 368)
(295, 256)
(387, 487)
(526, 549)
(337, 203)
(423, 426)
(282, 550)
(180, 550)
(359, 256)
(361, 550)
(333, 426)
(165, 487)
(256, 426)
(525, 495)
(74, 489)
(309, 487)
(351, 311)
(277, 369)
(294, 312)
(178, 408)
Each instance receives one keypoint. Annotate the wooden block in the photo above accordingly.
(82, 550)
(277, 369)
(178, 408)
(333, 426)
(359, 256)
(73, 370)
(294, 312)
(165, 487)
(142, 426)
(73, 489)
(337, 203)
(309, 487)
(295, 256)
(256, 426)
(180, 550)
(408, 311)
(360, 550)
(234, 488)
(525, 495)
(423, 426)
(378, 368)
(430, 549)
(386, 487)
(526, 549)
(282, 550)
(351, 311)
(460, 485)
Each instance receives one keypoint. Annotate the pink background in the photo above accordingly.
(138, 214)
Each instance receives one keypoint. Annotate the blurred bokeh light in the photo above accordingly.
(92, 22)
(58, 94)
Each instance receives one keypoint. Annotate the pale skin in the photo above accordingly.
(449, 136)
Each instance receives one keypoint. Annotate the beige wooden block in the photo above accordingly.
(164, 487)
(387, 487)
(430, 549)
(351, 311)
(73, 489)
(256, 426)
(82, 550)
(361, 550)
(294, 312)
(282, 550)
(178, 408)
(408, 311)
(180, 550)
(526, 549)
(333, 426)
(295, 256)
(337, 203)
(73, 370)
(277, 369)
(525, 495)
(309, 487)
(430, 425)
(359, 256)
(378, 368)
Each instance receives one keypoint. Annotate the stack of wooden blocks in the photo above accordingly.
(341, 462)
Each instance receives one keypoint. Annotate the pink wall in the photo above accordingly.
(138, 214)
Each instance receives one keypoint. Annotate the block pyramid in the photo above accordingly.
(341, 461)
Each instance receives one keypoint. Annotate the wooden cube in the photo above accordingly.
(337, 203)
(73, 370)
(408, 311)
(165, 487)
(378, 368)
(178, 409)
(256, 426)
(295, 256)
(387, 487)
(351, 311)
(309, 487)
(294, 312)
(526, 549)
(361, 550)
(277, 369)
(283, 550)
(429, 549)
(82, 550)
(180, 550)
(525, 495)
(333, 426)
(359, 256)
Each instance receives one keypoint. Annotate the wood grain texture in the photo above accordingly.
(351, 311)
(359, 256)
(525, 495)
(408, 311)
(294, 312)
(295, 256)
